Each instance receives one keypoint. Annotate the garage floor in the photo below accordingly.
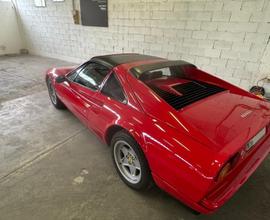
(51, 167)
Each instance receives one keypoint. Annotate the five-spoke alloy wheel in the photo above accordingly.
(130, 161)
(127, 161)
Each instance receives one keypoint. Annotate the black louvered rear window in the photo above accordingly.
(192, 92)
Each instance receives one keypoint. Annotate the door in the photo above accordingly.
(83, 87)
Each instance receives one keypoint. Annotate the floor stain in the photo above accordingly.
(78, 180)
(84, 172)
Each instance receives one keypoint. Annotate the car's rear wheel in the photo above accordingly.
(130, 162)
(57, 103)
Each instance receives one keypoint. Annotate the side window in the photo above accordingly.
(92, 75)
(113, 89)
(71, 76)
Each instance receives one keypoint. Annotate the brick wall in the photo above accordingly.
(227, 38)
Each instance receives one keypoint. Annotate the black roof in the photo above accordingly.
(139, 70)
(113, 60)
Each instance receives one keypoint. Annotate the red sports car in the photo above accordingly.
(196, 136)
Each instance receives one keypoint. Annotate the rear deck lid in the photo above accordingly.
(213, 115)
(228, 120)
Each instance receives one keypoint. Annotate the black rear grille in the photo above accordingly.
(191, 92)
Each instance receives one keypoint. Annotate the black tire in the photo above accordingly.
(57, 103)
(145, 177)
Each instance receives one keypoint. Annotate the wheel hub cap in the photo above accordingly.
(130, 159)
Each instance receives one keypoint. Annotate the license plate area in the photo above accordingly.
(256, 139)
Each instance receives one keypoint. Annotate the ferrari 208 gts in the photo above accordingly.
(197, 137)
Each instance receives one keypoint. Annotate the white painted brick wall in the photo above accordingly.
(227, 38)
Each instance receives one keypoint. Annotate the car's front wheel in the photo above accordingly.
(130, 161)
(57, 103)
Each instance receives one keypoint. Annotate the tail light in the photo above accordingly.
(228, 167)
(224, 171)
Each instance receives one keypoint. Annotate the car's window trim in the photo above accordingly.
(82, 67)
(76, 69)
(125, 101)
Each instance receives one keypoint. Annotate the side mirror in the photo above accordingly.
(60, 79)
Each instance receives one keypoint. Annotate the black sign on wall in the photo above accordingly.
(94, 12)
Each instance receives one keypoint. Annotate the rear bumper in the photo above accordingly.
(224, 191)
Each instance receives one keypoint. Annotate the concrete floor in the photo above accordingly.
(51, 167)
